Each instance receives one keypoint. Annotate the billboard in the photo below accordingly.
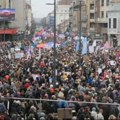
(7, 14)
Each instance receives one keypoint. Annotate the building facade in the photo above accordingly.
(21, 15)
(77, 16)
(62, 14)
(21, 26)
(23, 18)
(28, 17)
(65, 2)
(114, 22)
(93, 10)
(6, 31)
(50, 19)
(94, 15)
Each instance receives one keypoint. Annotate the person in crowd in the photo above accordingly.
(96, 79)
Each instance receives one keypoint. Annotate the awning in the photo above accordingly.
(8, 31)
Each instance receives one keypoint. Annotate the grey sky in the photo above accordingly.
(40, 9)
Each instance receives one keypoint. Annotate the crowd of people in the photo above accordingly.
(77, 86)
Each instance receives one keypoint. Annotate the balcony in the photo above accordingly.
(77, 3)
(102, 20)
(92, 10)
(92, 29)
(92, 20)
(91, 1)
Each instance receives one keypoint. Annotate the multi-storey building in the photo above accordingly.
(28, 16)
(50, 19)
(76, 15)
(21, 25)
(6, 31)
(21, 15)
(62, 14)
(114, 22)
(92, 15)
(95, 14)
(64, 2)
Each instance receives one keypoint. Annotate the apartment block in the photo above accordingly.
(78, 19)
(6, 31)
(21, 25)
(64, 2)
(114, 22)
(94, 13)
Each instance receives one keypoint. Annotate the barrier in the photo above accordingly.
(67, 113)
(50, 100)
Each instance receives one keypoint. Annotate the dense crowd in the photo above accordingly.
(96, 79)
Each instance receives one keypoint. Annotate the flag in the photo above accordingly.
(29, 53)
(84, 42)
(77, 46)
(107, 45)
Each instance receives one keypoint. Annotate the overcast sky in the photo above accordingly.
(40, 9)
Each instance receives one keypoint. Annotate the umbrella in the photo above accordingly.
(41, 45)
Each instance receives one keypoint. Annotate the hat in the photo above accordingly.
(61, 95)
(107, 76)
(93, 109)
(74, 118)
(27, 80)
(112, 117)
(42, 118)
(33, 108)
(17, 102)
(51, 86)
(53, 97)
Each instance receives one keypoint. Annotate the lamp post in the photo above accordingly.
(79, 29)
(80, 36)
(54, 48)
(54, 65)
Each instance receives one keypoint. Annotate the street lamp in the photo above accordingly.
(80, 35)
(54, 55)
(80, 28)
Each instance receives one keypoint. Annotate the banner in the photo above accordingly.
(85, 43)
(7, 14)
(19, 55)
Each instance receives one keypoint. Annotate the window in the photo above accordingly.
(91, 6)
(104, 25)
(91, 15)
(102, 2)
(109, 22)
(107, 2)
(106, 15)
(102, 14)
(114, 23)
